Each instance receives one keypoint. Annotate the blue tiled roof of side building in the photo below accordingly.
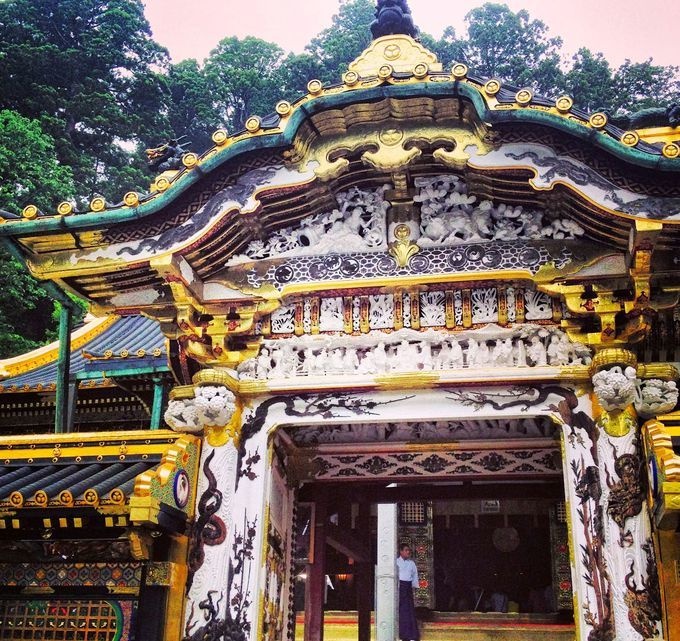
(131, 333)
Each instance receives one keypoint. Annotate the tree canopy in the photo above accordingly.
(30, 173)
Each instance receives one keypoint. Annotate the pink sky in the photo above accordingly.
(620, 29)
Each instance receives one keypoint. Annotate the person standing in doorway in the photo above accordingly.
(408, 580)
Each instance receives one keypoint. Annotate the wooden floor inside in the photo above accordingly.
(471, 626)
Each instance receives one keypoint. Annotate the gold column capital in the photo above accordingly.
(611, 356)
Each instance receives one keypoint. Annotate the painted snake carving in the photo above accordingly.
(209, 528)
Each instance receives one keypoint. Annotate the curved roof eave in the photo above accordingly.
(283, 130)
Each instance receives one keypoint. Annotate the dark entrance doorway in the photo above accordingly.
(493, 547)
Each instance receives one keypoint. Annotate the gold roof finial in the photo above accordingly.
(394, 44)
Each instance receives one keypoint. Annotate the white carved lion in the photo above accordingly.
(614, 387)
(656, 397)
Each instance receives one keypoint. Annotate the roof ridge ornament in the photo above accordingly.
(394, 47)
(393, 17)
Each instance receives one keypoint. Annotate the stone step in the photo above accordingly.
(471, 626)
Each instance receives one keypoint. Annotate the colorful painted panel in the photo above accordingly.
(561, 565)
(415, 528)
(57, 620)
(111, 575)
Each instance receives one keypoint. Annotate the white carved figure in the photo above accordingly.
(449, 215)
(408, 350)
(356, 225)
(215, 405)
(655, 397)
(614, 387)
(501, 356)
(425, 356)
(520, 354)
(457, 358)
(309, 362)
(555, 351)
(264, 363)
(471, 354)
(351, 360)
(537, 352)
(278, 369)
(483, 354)
(181, 416)
(380, 358)
(336, 362)
(405, 360)
(211, 405)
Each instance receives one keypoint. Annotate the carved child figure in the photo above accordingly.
(536, 352)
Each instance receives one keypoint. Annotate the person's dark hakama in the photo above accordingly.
(408, 624)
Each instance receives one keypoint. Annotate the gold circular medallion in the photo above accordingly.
(162, 183)
(141, 353)
(630, 138)
(131, 199)
(220, 137)
(459, 71)
(64, 208)
(598, 120)
(98, 204)
(420, 70)
(350, 78)
(402, 232)
(283, 108)
(385, 71)
(391, 137)
(392, 51)
(314, 87)
(30, 212)
(523, 97)
(564, 104)
(671, 150)
(253, 124)
(190, 160)
(492, 87)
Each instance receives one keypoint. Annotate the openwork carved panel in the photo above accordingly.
(58, 620)
(438, 463)
(527, 256)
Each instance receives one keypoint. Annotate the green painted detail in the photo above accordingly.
(157, 407)
(187, 464)
(120, 620)
(63, 370)
(121, 373)
(218, 156)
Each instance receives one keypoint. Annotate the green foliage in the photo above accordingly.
(87, 69)
(191, 111)
(642, 85)
(589, 81)
(448, 48)
(349, 34)
(29, 172)
(513, 47)
(244, 79)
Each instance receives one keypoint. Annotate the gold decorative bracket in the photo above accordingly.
(403, 248)
(401, 52)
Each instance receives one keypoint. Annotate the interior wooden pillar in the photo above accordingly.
(363, 576)
(315, 586)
